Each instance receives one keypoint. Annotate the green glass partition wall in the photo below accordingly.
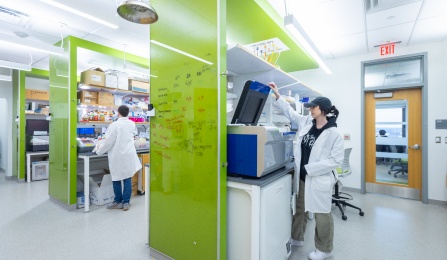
(59, 163)
(188, 195)
(63, 124)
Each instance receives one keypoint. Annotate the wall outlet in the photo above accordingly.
(437, 139)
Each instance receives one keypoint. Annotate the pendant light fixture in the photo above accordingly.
(137, 12)
(303, 40)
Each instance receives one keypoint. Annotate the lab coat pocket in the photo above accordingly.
(322, 183)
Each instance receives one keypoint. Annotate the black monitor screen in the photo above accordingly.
(37, 125)
(250, 105)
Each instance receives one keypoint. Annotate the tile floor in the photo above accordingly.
(33, 227)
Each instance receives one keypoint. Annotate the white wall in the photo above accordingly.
(3, 134)
(343, 87)
(6, 129)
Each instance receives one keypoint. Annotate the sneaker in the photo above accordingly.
(318, 255)
(126, 206)
(115, 205)
(294, 242)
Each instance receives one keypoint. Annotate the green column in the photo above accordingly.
(188, 194)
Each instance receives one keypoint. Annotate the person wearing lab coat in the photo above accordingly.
(318, 151)
(123, 159)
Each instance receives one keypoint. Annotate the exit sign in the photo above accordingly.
(387, 49)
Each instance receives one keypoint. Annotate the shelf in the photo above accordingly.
(35, 114)
(241, 61)
(99, 107)
(107, 123)
(112, 90)
(38, 100)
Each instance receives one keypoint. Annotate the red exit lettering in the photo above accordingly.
(387, 49)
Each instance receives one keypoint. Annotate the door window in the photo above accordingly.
(391, 142)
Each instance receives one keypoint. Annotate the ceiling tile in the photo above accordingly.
(393, 16)
(330, 19)
(396, 33)
(348, 46)
(433, 8)
(430, 30)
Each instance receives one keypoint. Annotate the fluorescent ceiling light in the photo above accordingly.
(131, 70)
(126, 67)
(31, 45)
(15, 65)
(5, 78)
(181, 52)
(304, 41)
(72, 10)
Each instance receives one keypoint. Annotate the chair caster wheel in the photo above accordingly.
(362, 213)
(344, 217)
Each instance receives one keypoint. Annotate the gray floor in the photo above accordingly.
(32, 227)
(382, 175)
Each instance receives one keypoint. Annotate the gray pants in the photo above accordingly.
(324, 225)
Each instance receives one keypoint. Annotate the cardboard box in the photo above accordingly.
(135, 184)
(101, 189)
(106, 99)
(111, 81)
(36, 94)
(88, 97)
(138, 86)
(123, 80)
(45, 110)
(94, 77)
(145, 159)
(39, 170)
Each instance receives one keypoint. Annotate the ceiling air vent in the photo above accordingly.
(12, 12)
(22, 34)
(372, 6)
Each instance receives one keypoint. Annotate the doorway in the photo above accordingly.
(4, 136)
(394, 93)
(393, 153)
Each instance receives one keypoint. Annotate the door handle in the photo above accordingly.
(415, 147)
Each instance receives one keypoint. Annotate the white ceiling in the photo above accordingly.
(339, 28)
(47, 24)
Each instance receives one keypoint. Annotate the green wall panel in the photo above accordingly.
(15, 126)
(186, 177)
(34, 73)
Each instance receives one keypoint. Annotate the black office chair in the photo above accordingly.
(340, 198)
(399, 166)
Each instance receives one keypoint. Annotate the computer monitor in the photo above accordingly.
(39, 125)
(250, 105)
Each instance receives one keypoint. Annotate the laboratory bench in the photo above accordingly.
(86, 158)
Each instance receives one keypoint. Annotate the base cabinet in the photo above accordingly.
(259, 217)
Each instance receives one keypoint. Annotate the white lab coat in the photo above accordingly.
(119, 143)
(326, 155)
